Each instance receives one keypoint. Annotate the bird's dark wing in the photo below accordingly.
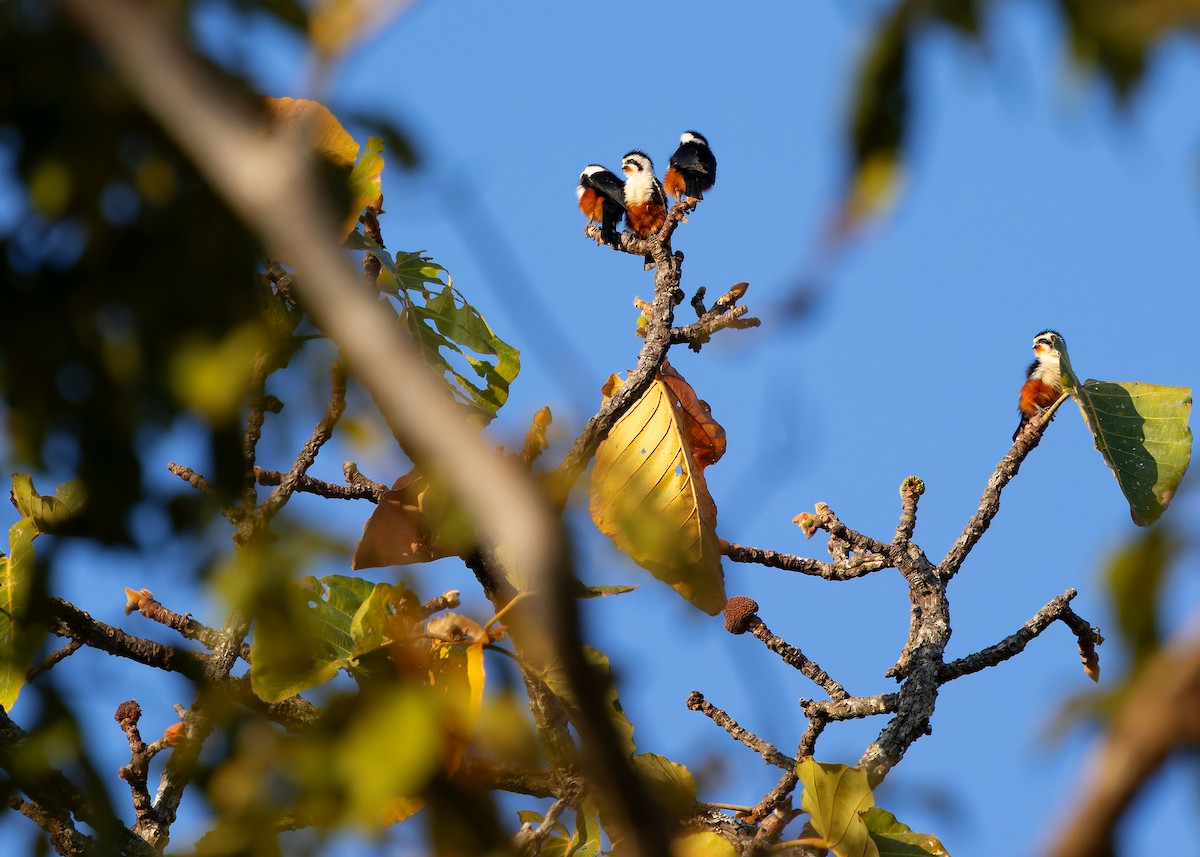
(689, 159)
(608, 184)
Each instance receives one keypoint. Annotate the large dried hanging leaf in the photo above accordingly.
(649, 496)
(836, 797)
(1142, 432)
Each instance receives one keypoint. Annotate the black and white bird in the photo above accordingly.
(1043, 379)
(692, 169)
(645, 201)
(601, 198)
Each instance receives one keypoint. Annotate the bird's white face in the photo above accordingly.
(688, 137)
(1043, 345)
(1049, 365)
(637, 163)
(591, 170)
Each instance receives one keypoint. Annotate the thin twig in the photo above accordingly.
(697, 702)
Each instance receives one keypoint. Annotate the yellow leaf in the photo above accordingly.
(649, 496)
(388, 754)
(707, 844)
(836, 797)
(457, 674)
(313, 127)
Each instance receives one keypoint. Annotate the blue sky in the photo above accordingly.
(1032, 201)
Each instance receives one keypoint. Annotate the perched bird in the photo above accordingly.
(601, 198)
(1044, 379)
(645, 201)
(692, 169)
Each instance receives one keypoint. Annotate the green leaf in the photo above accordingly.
(49, 514)
(556, 680)
(310, 637)
(894, 839)
(1136, 574)
(388, 754)
(1142, 432)
(358, 241)
(365, 182)
(582, 591)
(19, 637)
(445, 324)
(415, 271)
(670, 782)
(836, 797)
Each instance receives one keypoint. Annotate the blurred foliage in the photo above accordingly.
(117, 256)
(1114, 38)
(131, 298)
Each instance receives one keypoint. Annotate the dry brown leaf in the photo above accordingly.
(706, 435)
(398, 531)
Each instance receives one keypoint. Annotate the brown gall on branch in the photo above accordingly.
(370, 264)
(741, 616)
(770, 754)
(136, 773)
(55, 802)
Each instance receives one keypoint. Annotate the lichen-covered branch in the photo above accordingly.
(772, 756)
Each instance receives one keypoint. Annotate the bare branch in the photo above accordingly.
(697, 702)
(989, 503)
(849, 569)
(308, 453)
(1014, 644)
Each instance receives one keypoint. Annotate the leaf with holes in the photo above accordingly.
(451, 331)
(303, 642)
(649, 496)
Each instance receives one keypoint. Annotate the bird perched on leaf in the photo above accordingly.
(601, 198)
(1043, 383)
(693, 168)
(645, 201)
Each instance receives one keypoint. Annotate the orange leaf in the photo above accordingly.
(706, 435)
(414, 522)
